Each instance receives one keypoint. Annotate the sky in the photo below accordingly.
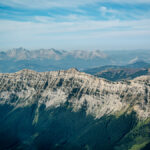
(75, 24)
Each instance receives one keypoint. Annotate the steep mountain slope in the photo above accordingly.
(73, 110)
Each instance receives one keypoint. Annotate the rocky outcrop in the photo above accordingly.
(69, 109)
(77, 89)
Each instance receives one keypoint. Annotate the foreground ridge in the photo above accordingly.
(77, 89)
(71, 110)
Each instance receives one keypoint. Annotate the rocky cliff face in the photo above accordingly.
(72, 110)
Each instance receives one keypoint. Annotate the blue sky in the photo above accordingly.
(78, 24)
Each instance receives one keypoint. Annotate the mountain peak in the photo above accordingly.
(73, 70)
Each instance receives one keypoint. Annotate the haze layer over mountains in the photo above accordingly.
(51, 59)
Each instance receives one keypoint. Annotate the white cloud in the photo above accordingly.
(73, 28)
(81, 25)
(104, 10)
(47, 25)
(43, 4)
(43, 19)
(30, 32)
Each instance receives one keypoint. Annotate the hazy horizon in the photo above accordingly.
(102, 50)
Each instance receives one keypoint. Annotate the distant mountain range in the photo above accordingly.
(51, 59)
(115, 73)
(48, 59)
(23, 54)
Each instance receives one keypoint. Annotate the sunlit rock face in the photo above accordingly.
(72, 110)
